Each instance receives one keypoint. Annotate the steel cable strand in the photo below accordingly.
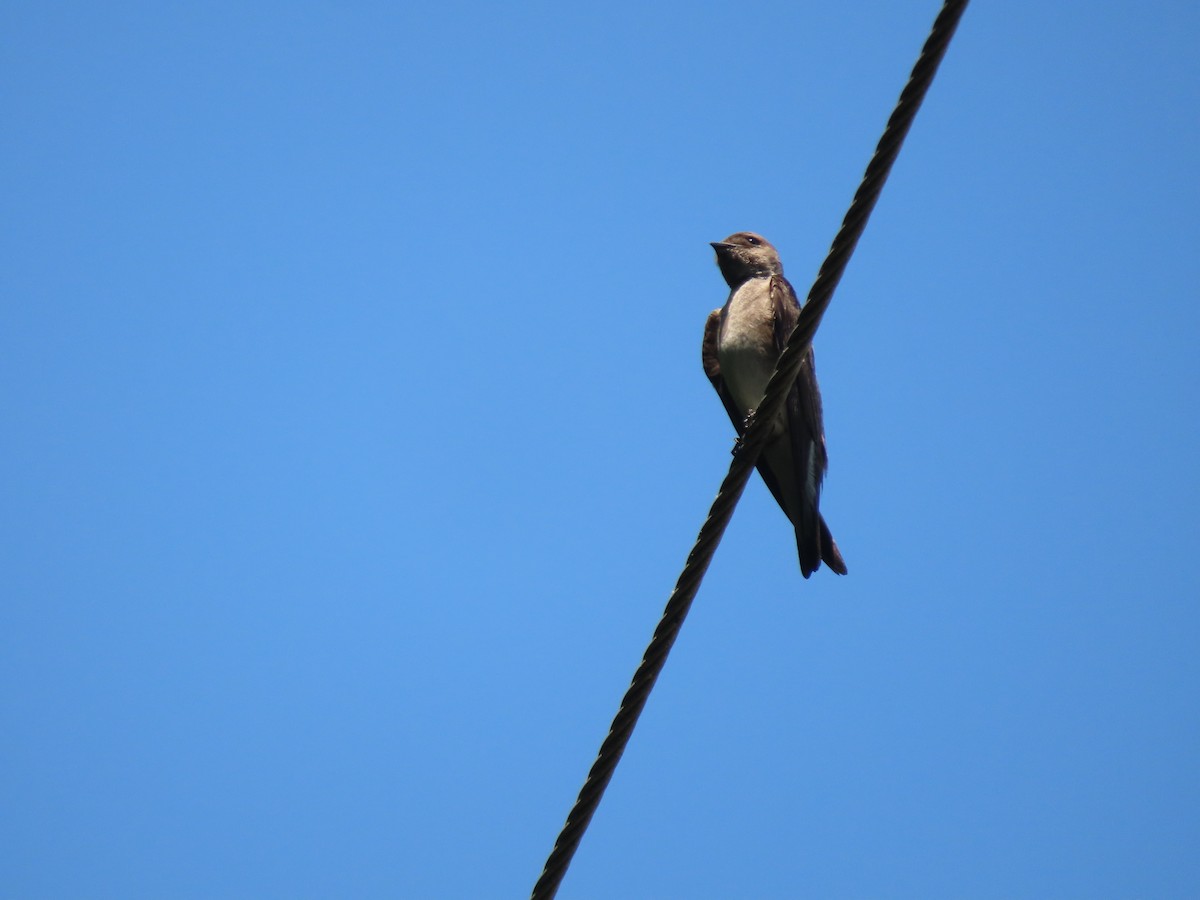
(748, 449)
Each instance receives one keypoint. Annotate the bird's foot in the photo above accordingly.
(746, 423)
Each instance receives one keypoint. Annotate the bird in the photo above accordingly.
(742, 343)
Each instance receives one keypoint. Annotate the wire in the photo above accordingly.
(748, 449)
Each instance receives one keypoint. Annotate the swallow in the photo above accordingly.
(742, 343)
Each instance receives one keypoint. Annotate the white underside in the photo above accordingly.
(746, 344)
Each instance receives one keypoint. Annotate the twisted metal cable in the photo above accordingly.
(748, 449)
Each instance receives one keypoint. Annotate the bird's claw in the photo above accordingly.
(746, 423)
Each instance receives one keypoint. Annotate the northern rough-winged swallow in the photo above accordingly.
(742, 342)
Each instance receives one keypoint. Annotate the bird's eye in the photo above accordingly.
(751, 240)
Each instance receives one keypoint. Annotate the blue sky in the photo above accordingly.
(354, 433)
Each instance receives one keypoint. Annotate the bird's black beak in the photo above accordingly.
(721, 247)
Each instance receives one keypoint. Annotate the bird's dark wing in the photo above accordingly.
(806, 432)
(712, 368)
(804, 401)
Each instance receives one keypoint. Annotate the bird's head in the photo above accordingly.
(746, 255)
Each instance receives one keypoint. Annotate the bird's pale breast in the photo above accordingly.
(746, 343)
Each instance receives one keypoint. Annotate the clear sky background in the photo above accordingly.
(354, 433)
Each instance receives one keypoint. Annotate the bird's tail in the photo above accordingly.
(830, 552)
(825, 548)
